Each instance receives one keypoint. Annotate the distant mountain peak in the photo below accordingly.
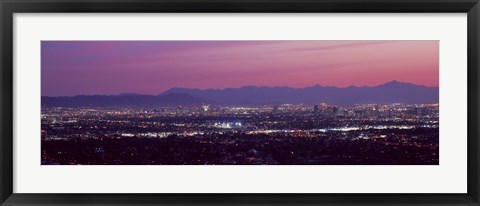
(395, 82)
(390, 92)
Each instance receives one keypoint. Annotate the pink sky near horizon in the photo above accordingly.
(151, 67)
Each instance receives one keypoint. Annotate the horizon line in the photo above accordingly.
(135, 93)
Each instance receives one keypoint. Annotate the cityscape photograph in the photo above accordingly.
(265, 102)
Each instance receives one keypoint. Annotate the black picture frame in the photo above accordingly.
(9, 7)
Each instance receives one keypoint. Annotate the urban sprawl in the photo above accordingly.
(285, 134)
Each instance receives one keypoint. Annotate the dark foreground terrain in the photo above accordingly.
(243, 149)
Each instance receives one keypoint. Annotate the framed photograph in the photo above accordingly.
(206, 102)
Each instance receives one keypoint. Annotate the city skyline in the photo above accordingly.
(324, 134)
(72, 68)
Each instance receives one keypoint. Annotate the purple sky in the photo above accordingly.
(151, 67)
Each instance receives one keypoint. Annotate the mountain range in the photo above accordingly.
(391, 92)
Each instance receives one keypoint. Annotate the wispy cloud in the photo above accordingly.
(340, 46)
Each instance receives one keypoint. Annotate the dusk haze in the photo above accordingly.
(151, 67)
